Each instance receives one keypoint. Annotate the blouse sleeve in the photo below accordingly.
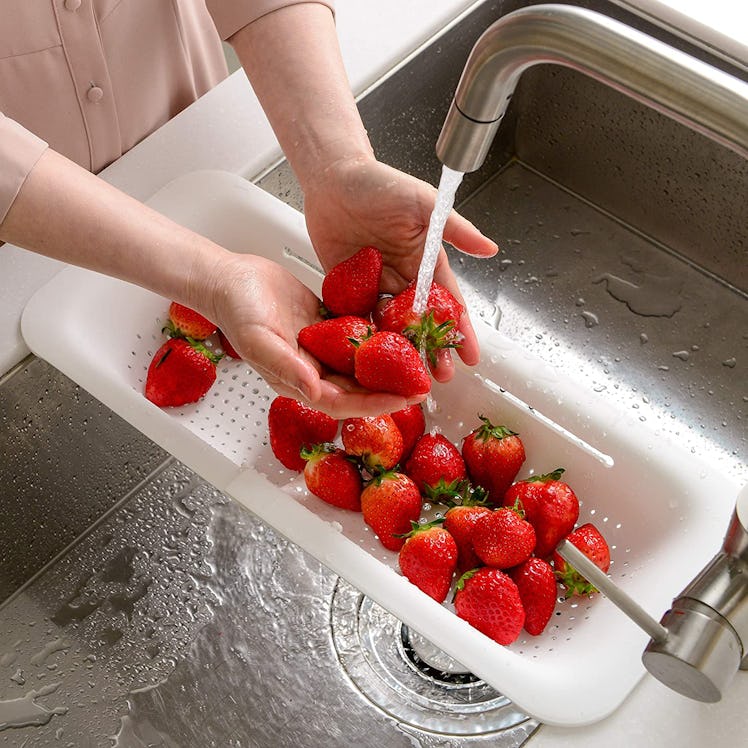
(19, 151)
(231, 15)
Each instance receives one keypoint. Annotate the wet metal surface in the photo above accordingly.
(182, 620)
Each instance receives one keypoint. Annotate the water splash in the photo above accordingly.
(448, 184)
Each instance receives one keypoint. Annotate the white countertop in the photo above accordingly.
(227, 130)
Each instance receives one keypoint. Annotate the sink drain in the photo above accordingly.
(412, 681)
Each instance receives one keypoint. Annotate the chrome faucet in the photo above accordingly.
(702, 640)
(672, 82)
(707, 625)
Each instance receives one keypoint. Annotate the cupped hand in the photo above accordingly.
(360, 202)
(260, 307)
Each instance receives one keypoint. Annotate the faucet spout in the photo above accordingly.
(690, 91)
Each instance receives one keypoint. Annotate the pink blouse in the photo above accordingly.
(91, 78)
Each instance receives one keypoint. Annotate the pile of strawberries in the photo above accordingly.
(494, 537)
(381, 344)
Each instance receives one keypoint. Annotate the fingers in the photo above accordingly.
(463, 235)
(342, 403)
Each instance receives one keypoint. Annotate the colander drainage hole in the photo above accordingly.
(404, 675)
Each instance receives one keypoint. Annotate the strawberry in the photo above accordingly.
(503, 538)
(390, 501)
(376, 440)
(388, 362)
(489, 600)
(330, 341)
(591, 542)
(493, 456)
(293, 425)
(550, 506)
(412, 423)
(330, 475)
(187, 323)
(536, 583)
(181, 372)
(436, 466)
(428, 559)
(352, 286)
(436, 328)
(226, 346)
(460, 520)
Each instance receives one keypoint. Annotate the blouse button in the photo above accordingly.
(72, 4)
(94, 94)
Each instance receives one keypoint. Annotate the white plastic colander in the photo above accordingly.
(662, 510)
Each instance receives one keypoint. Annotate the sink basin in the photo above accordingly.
(623, 269)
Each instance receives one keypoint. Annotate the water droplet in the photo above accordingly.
(590, 319)
(730, 362)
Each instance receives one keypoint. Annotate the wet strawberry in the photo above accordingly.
(388, 362)
(536, 583)
(591, 542)
(331, 476)
(412, 423)
(436, 466)
(376, 440)
(352, 286)
(431, 331)
(390, 502)
(293, 425)
(180, 372)
(428, 559)
(550, 506)
(503, 538)
(493, 456)
(329, 341)
(187, 323)
(460, 520)
(489, 600)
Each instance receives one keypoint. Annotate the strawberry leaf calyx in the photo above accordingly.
(574, 582)
(315, 451)
(546, 477)
(460, 585)
(416, 527)
(489, 431)
(430, 337)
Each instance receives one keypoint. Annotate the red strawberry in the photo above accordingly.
(590, 541)
(503, 538)
(550, 506)
(493, 456)
(388, 362)
(536, 583)
(329, 341)
(489, 600)
(180, 372)
(352, 286)
(375, 439)
(187, 323)
(293, 425)
(434, 329)
(412, 423)
(436, 466)
(228, 349)
(332, 476)
(390, 502)
(428, 559)
(460, 521)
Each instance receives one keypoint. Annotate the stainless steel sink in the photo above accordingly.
(149, 610)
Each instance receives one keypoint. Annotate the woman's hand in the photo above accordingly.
(361, 201)
(261, 307)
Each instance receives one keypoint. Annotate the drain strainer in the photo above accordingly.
(403, 675)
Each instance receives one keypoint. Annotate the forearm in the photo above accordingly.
(64, 212)
(293, 60)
